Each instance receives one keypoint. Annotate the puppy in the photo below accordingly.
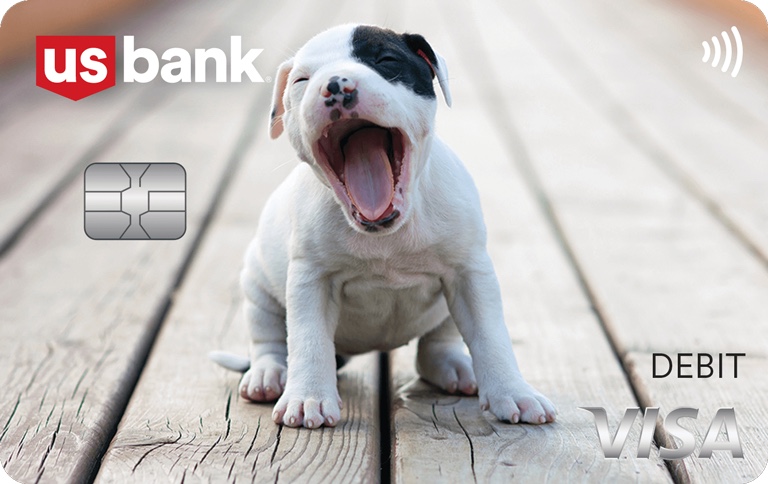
(376, 239)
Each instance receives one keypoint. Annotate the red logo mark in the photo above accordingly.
(75, 66)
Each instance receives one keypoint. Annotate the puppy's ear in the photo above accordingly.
(278, 108)
(441, 71)
(421, 47)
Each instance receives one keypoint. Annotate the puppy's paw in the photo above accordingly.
(311, 409)
(517, 401)
(265, 380)
(446, 365)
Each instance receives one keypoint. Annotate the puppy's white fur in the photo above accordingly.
(317, 284)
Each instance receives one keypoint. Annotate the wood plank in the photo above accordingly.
(49, 140)
(199, 428)
(706, 129)
(558, 340)
(174, 430)
(84, 313)
(665, 275)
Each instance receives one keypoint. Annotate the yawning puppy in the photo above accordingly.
(376, 239)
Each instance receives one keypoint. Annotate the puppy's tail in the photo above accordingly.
(230, 361)
(234, 362)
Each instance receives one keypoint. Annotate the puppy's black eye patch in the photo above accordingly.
(394, 57)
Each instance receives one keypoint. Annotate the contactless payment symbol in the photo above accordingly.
(135, 201)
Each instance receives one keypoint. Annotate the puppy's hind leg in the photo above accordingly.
(265, 380)
(442, 359)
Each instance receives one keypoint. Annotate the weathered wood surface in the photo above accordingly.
(558, 340)
(77, 343)
(81, 315)
(187, 421)
(665, 273)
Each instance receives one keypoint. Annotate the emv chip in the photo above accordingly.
(134, 201)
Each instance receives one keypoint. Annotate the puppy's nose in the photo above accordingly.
(338, 85)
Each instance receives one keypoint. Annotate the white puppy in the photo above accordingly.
(378, 238)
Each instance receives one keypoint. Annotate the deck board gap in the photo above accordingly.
(385, 421)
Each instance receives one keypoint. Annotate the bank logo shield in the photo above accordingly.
(75, 66)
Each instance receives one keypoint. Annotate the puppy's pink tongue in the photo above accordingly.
(367, 172)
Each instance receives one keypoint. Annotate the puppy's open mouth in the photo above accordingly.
(366, 165)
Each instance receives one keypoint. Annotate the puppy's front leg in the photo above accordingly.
(474, 299)
(310, 398)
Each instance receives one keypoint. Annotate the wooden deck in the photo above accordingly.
(625, 188)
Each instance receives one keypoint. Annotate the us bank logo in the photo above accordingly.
(79, 66)
(135, 201)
